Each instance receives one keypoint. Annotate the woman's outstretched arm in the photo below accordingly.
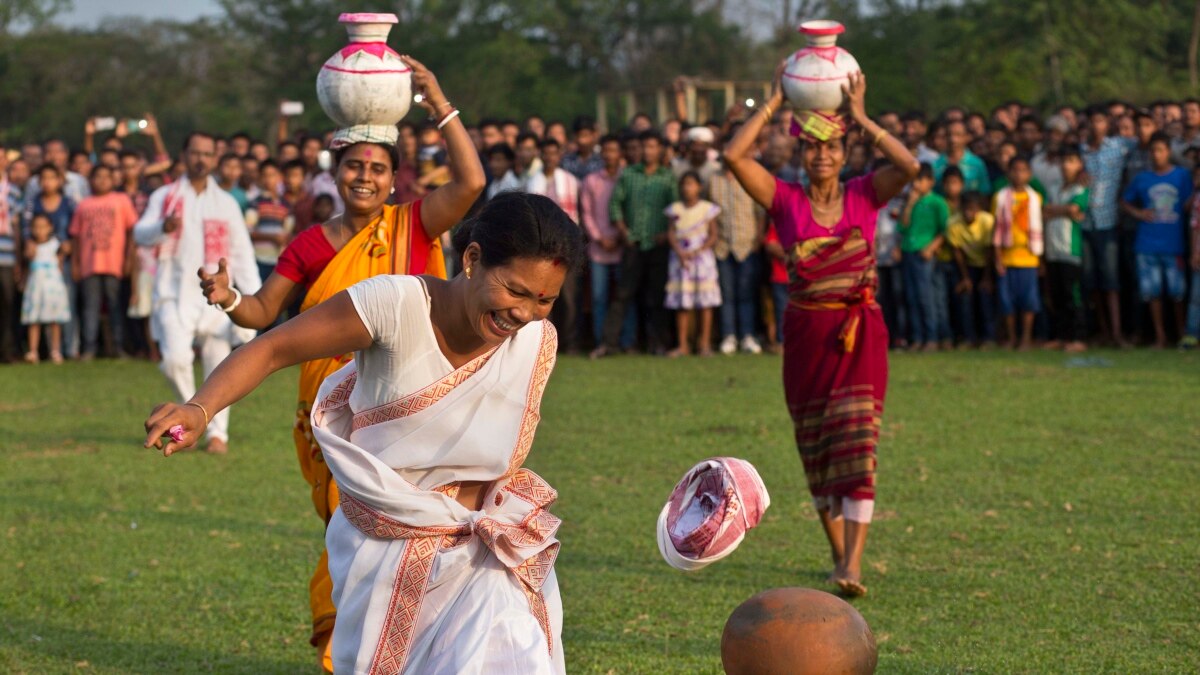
(330, 329)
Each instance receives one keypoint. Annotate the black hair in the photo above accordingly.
(610, 138)
(187, 140)
(582, 123)
(323, 197)
(509, 123)
(227, 157)
(1096, 110)
(127, 152)
(309, 137)
(628, 135)
(973, 198)
(285, 144)
(547, 142)
(392, 152)
(500, 149)
(489, 122)
(913, 116)
(1017, 159)
(527, 136)
(256, 141)
(293, 164)
(925, 172)
(1159, 137)
(651, 135)
(691, 175)
(78, 153)
(240, 134)
(521, 225)
(97, 168)
(1029, 119)
(48, 167)
(1142, 113)
(952, 172)
(268, 164)
(1068, 150)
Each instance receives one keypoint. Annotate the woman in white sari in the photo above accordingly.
(442, 550)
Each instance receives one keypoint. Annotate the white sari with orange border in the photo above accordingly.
(421, 583)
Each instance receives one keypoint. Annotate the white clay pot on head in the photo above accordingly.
(365, 83)
(814, 75)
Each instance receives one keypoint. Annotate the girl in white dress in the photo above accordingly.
(443, 547)
(45, 302)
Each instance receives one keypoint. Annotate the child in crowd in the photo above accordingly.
(103, 253)
(1064, 248)
(945, 272)
(45, 301)
(692, 274)
(269, 219)
(887, 261)
(922, 229)
(500, 160)
(970, 238)
(322, 208)
(1017, 239)
(1157, 198)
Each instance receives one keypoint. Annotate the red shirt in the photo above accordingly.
(306, 257)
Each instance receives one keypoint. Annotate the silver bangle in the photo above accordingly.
(449, 116)
(237, 300)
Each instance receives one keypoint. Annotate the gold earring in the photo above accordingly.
(468, 272)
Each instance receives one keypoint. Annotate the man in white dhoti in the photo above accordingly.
(196, 225)
(442, 549)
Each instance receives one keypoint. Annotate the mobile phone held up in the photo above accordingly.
(135, 126)
(104, 123)
(291, 108)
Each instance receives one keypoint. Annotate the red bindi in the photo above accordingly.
(367, 152)
(556, 262)
(541, 294)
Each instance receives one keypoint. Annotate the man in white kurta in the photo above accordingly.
(196, 225)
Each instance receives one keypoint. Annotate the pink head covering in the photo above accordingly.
(709, 512)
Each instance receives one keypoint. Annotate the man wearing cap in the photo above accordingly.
(698, 159)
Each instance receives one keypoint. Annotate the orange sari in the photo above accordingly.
(396, 243)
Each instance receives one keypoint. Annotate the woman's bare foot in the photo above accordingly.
(676, 353)
(216, 446)
(1075, 347)
(1052, 345)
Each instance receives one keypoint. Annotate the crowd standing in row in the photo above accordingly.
(1067, 230)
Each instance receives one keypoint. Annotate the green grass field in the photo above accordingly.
(1032, 517)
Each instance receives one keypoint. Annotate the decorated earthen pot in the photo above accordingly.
(814, 75)
(365, 83)
(797, 631)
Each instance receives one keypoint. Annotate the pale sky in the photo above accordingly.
(88, 13)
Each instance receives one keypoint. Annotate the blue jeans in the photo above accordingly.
(918, 295)
(739, 284)
(1193, 312)
(943, 292)
(977, 310)
(779, 298)
(603, 275)
(98, 289)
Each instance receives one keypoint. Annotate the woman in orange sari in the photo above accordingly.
(369, 239)
(834, 339)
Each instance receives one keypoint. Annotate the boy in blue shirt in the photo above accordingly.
(1157, 198)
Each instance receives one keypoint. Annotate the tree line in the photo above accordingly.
(510, 58)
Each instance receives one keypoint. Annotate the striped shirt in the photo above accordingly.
(737, 225)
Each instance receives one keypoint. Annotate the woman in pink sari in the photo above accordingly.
(442, 549)
(835, 341)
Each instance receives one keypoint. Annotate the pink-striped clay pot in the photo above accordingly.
(365, 83)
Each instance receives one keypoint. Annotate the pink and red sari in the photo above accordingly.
(835, 341)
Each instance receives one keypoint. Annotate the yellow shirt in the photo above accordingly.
(974, 239)
(1018, 255)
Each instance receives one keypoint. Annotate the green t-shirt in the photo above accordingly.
(929, 217)
(1064, 236)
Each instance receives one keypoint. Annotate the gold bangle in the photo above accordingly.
(881, 136)
(206, 417)
(767, 109)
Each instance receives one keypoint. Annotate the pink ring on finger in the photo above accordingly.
(176, 433)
